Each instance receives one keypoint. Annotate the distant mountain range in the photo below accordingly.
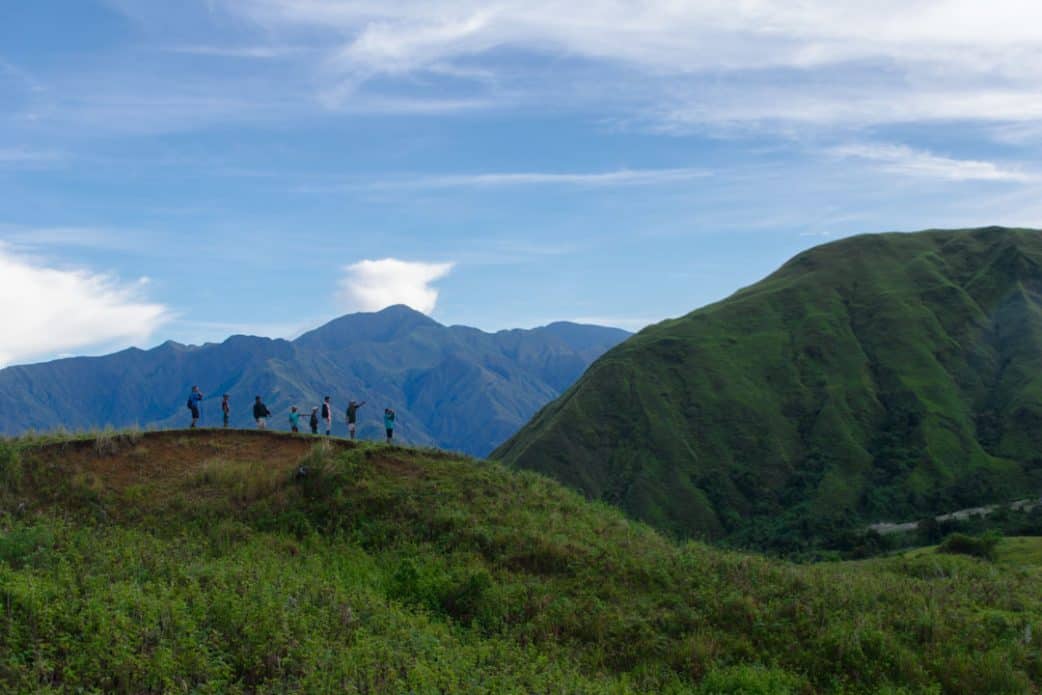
(452, 387)
(878, 378)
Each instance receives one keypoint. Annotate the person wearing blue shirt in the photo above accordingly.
(389, 419)
(194, 399)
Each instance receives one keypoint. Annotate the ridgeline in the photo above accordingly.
(453, 387)
(879, 378)
(232, 561)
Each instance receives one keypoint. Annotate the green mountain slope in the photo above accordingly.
(882, 377)
(198, 562)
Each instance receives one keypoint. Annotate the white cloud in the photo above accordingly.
(47, 311)
(621, 177)
(908, 161)
(868, 62)
(372, 285)
(25, 156)
(245, 52)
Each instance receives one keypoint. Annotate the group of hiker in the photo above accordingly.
(319, 414)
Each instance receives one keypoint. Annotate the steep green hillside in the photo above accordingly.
(198, 562)
(878, 378)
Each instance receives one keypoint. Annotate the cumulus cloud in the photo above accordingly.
(372, 285)
(47, 311)
(909, 161)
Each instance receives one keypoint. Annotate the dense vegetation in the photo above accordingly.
(454, 387)
(203, 561)
(879, 378)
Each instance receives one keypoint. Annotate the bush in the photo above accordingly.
(10, 468)
(983, 546)
(22, 546)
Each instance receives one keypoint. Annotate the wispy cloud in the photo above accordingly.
(33, 239)
(22, 156)
(946, 58)
(260, 52)
(48, 310)
(372, 285)
(901, 159)
(619, 177)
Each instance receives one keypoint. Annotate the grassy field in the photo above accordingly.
(884, 377)
(202, 562)
(1023, 553)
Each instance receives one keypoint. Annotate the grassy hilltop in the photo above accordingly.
(198, 562)
(878, 378)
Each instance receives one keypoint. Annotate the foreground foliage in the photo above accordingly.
(188, 562)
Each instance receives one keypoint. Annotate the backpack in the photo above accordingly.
(191, 404)
(325, 411)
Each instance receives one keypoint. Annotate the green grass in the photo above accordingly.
(392, 570)
(879, 378)
(1020, 551)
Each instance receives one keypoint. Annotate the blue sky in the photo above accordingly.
(195, 169)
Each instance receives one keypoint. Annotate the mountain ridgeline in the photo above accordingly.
(881, 377)
(453, 387)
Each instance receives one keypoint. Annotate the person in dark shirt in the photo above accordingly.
(226, 410)
(313, 421)
(261, 413)
(352, 417)
(327, 415)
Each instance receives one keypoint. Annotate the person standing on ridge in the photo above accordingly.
(389, 418)
(327, 415)
(294, 419)
(352, 417)
(226, 410)
(194, 398)
(313, 421)
(261, 413)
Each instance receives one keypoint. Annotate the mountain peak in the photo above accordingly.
(378, 326)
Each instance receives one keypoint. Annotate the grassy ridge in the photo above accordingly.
(884, 377)
(199, 562)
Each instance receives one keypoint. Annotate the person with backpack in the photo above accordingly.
(226, 410)
(352, 417)
(261, 413)
(389, 418)
(327, 415)
(194, 398)
(294, 419)
(313, 421)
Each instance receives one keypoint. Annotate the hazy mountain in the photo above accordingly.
(880, 377)
(453, 387)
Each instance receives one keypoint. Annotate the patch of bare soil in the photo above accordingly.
(154, 458)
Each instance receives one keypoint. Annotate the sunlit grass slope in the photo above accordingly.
(878, 378)
(200, 562)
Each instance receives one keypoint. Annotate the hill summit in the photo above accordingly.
(879, 377)
(454, 387)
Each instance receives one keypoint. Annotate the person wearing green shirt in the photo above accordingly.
(389, 418)
(294, 419)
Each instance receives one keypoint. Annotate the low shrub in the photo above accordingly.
(983, 546)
